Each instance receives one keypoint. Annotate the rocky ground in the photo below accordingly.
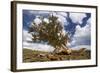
(40, 56)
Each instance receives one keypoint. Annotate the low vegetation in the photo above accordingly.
(40, 56)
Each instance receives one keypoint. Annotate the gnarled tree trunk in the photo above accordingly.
(62, 50)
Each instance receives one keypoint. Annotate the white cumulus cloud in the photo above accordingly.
(82, 35)
(46, 20)
(61, 17)
(88, 47)
(34, 46)
(38, 46)
(77, 17)
(62, 13)
(26, 36)
(82, 31)
(37, 20)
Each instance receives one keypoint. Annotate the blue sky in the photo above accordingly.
(77, 25)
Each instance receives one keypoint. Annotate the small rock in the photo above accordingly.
(41, 55)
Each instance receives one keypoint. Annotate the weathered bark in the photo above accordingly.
(62, 50)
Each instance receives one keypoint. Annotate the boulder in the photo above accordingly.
(41, 55)
(52, 57)
(64, 52)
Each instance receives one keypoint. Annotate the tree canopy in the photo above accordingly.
(51, 32)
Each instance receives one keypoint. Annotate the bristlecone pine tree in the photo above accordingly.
(51, 32)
